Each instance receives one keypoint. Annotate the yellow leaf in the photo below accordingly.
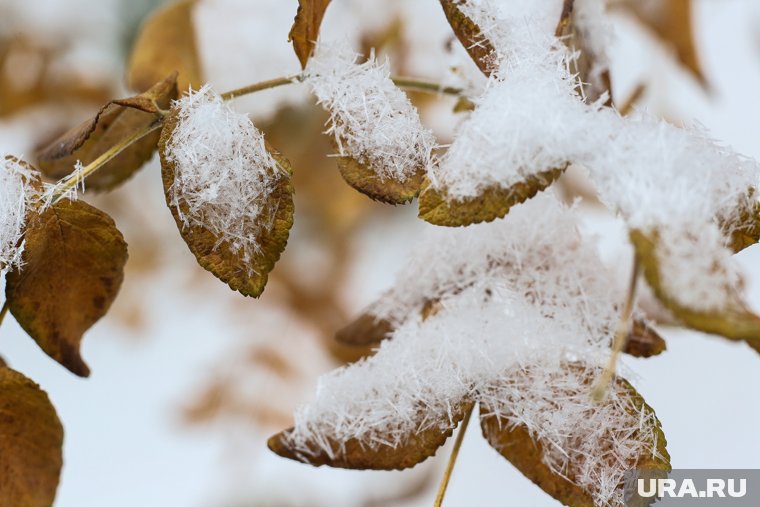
(31, 443)
(165, 44)
(517, 445)
(74, 259)
(469, 34)
(735, 322)
(358, 456)
(305, 30)
(116, 121)
(494, 202)
(217, 256)
(387, 190)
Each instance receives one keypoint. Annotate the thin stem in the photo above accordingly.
(3, 311)
(452, 459)
(78, 176)
(425, 86)
(263, 85)
(622, 333)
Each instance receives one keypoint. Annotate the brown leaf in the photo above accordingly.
(116, 121)
(165, 44)
(671, 20)
(31, 443)
(592, 82)
(305, 30)
(526, 454)
(387, 190)
(469, 34)
(74, 261)
(495, 202)
(735, 322)
(358, 456)
(217, 256)
(364, 330)
(746, 231)
(643, 341)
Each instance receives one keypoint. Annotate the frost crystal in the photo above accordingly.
(372, 120)
(16, 194)
(225, 175)
(516, 301)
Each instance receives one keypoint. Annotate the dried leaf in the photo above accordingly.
(165, 44)
(643, 341)
(735, 322)
(217, 256)
(519, 448)
(116, 121)
(31, 443)
(495, 202)
(305, 30)
(357, 456)
(746, 231)
(365, 330)
(469, 34)
(671, 20)
(74, 261)
(389, 191)
(592, 84)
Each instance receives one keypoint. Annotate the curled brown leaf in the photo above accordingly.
(469, 34)
(305, 30)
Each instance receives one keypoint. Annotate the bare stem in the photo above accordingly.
(78, 176)
(622, 333)
(263, 85)
(452, 459)
(426, 86)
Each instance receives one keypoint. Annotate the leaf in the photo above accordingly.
(216, 255)
(358, 456)
(387, 190)
(735, 322)
(74, 261)
(115, 121)
(305, 30)
(365, 330)
(31, 443)
(746, 232)
(469, 34)
(672, 22)
(165, 44)
(643, 341)
(516, 445)
(590, 85)
(495, 202)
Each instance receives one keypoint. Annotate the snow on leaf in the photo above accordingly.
(31, 443)
(230, 194)
(743, 228)
(383, 148)
(73, 267)
(166, 43)
(468, 32)
(692, 277)
(19, 187)
(354, 454)
(305, 31)
(115, 121)
(543, 421)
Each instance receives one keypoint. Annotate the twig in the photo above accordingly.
(452, 459)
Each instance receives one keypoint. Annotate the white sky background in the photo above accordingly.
(126, 447)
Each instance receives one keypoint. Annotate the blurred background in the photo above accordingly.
(189, 378)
